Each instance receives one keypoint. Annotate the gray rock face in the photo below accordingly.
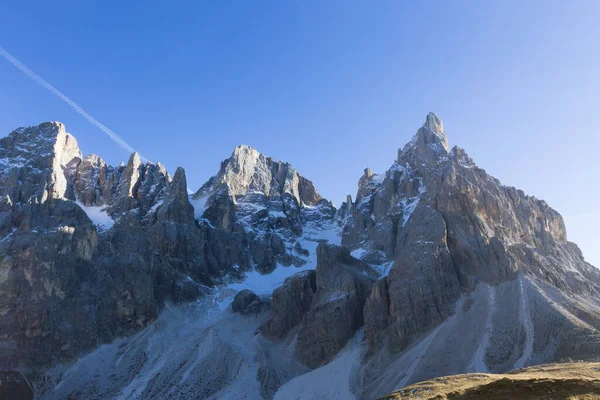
(88, 252)
(446, 225)
(35, 163)
(290, 302)
(422, 285)
(377, 314)
(249, 171)
(98, 249)
(343, 285)
(94, 183)
(440, 227)
(265, 206)
(326, 305)
(439, 260)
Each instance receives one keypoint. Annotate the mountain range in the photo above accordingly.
(115, 282)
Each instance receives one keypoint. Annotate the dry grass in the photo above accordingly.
(569, 381)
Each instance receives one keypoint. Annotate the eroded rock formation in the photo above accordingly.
(438, 260)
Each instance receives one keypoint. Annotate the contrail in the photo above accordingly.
(70, 102)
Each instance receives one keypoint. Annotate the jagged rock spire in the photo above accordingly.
(176, 206)
(366, 178)
(130, 176)
(35, 162)
(428, 144)
(248, 171)
(434, 123)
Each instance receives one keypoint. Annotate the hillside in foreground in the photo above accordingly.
(573, 381)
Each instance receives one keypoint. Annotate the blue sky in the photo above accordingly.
(330, 86)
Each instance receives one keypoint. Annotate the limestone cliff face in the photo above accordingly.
(88, 251)
(248, 171)
(438, 260)
(343, 284)
(439, 227)
(446, 225)
(264, 205)
(36, 162)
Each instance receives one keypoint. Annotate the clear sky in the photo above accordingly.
(330, 86)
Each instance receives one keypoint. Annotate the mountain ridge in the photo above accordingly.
(433, 250)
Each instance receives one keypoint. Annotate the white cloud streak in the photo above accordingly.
(116, 138)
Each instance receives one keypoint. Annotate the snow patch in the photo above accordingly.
(397, 167)
(422, 188)
(98, 215)
(277, 214)
(13, 162)
(408, 207)
(155, 207)
(199, 206)
(260, 284)
(384, 269)
(359, 253)
(265, 284)
(377, 179)
(337, 296)
(9, 235)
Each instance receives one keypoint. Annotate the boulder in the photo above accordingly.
(246, 302)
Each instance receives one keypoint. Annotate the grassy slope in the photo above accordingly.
(571, 381)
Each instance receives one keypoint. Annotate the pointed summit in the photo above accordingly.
(240, 168)
(134, 159)
(249, 171)
(366, 178)
(131, 175)
(429, 143)
(434, 123)
(49, 153)
(243, 153)
(176, 206)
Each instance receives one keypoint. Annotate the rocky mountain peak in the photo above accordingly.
(437, 257)
(249, 172)
(434, 123)
(47, 140)
(239, 170)
(35, 162)
(94, 160)
(433, 132)
(159, 166)
(175, 206)
(366, 178)
(178, 187)
(135, 161)
(244, 153)
(428, 145)
(265, 206)
(131, 175)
